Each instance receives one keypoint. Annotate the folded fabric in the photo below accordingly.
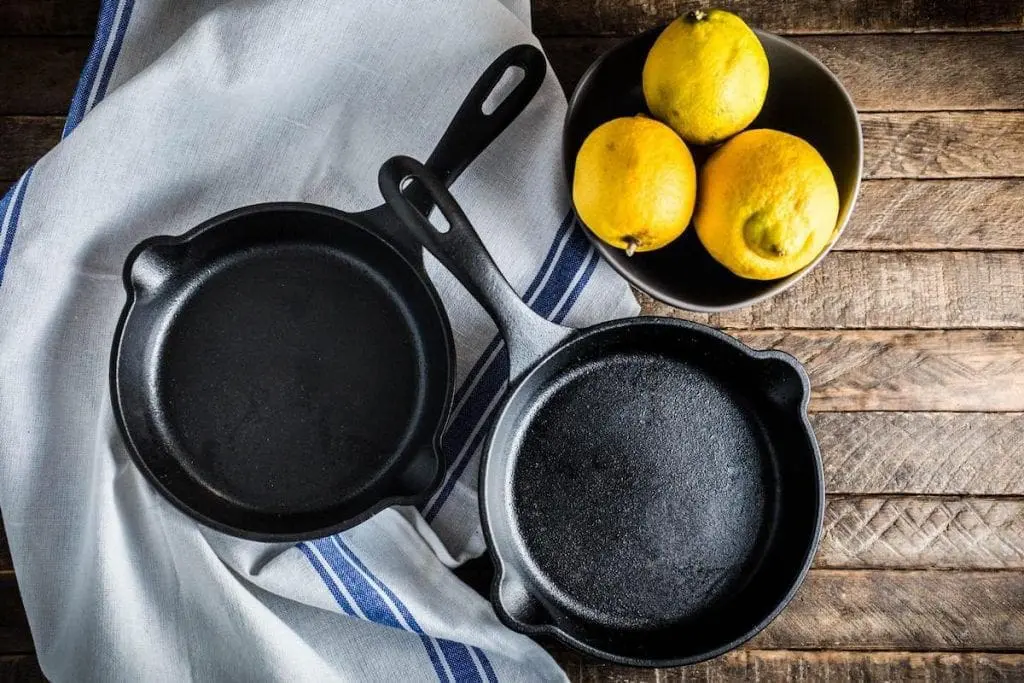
(187, 109)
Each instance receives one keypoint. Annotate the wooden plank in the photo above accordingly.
(899, 370)
(902, 610)
(21, 669)
(15, 636)
(943, 144)
(783, 666)
(24, 139)
(39, 74)
(922, 453)
(881, 73)
(893, 215)
(589, 17)
(880, 69)
(923, 533)
(48, 17)
(885, 290)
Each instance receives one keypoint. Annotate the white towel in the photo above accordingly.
(187, 109)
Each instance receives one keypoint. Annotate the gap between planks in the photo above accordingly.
(784, 666)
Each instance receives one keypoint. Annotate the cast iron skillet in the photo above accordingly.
(283, 371)
(651, 490)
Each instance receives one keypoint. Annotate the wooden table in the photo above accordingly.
(912, 330)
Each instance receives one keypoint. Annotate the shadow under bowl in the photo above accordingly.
(804, 99)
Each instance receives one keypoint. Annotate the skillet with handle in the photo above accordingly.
(651, 489)
(283, 371)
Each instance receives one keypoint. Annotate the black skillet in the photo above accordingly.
(651, 490)
(283, 371)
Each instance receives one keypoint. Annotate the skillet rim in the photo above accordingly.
(362, 221)
(557, 633)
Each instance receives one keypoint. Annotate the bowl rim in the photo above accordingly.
(780, 285)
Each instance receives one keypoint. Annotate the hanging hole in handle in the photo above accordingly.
(512, 77)
(438, 220)
(435, 217)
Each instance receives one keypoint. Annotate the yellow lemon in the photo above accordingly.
(706, 76)
(635, 184)
(768, 204)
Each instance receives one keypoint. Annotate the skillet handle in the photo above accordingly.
(471, 131)
(527, 335)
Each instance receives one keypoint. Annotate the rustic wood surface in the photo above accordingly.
(778, 666)
(934, 453)
(591, 17)
(903, 73)
(944, 290)
(20, 669)
(912, 332)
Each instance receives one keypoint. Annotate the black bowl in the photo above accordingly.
(804, 99)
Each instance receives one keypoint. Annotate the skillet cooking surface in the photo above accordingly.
(643, 487)
(289, 369)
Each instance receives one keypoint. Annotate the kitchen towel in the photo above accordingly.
(186, 109)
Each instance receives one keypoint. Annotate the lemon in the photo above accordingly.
(635, 184)
(768, 204)
(706, 76)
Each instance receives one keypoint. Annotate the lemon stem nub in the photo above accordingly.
(631, 245)
(696, 15)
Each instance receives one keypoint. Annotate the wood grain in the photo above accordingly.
(879, 70)
(923, 533)
(39, 74)
(24, 139)
(881, 73)
(887, 290)
(943, 144)
(21, 669)
(15, 636)
(893, 215)
(784, 666)
(898, 370)
(48, 17)
(922, 453)
(588, 17)
(902, 610)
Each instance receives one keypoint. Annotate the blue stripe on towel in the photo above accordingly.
(342, 601)
(486, 664)
(115, 50)
(369, 601)
(10, 212)
(378, 603)
(457, 654)
(107, 42)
